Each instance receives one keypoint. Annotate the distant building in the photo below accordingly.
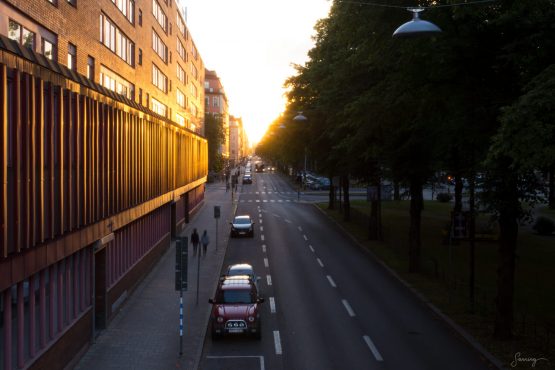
(215, 102)
(238, 141)
(102, 161)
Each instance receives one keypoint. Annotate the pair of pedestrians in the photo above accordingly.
(195, 240)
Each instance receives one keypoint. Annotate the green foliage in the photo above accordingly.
(215, 135)
(444, 197)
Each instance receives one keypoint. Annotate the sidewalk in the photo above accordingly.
(145, 333)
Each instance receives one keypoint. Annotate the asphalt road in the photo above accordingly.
(328, 304)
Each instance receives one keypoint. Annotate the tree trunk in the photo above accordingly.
(331, 204)
(416, 206)
(374, 226)
(508, 232)
(551, 190)
(396, 191)
(346, 201)
(458, 193)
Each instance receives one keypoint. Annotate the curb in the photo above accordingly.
(457, 329)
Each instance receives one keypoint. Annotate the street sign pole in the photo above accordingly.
(181, 260)
(216, 216)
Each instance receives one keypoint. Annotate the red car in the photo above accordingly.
(236, 307)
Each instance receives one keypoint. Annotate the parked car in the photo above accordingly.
(235, 308)
(242, 225)
(242, 269)
(247, 179)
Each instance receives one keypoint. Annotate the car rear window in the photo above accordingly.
(237, 296)
(242, 221)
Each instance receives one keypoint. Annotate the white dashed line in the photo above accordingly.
(265, 200)
(277, 342)
(266, 263)
(272, 305)
(276, 215)
(280, 201)
(300, 228)
(269, 280)
(289, 222)
(261, 228)
(305, 238)
(320, 262)
(311, 248)
(262, 237)
(332, 283)
(348, 308)
(260, 221)
(373, 348)
(258, 201)
(263, 248)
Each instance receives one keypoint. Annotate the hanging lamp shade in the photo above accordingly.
(416, 27)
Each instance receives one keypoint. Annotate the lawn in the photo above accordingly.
(444, 280)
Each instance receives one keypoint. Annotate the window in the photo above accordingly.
(48, 49)
(140, 57)
(159, 47)
(71, 56)
(140, 17)
(21, 34)
(126, 7)
(159, 79)
(90, 68)
(112, 81)
(53, 2)
(194, 90)
(181, 99)
(158, 107)
(194, 109)
(194, 71)
(181, 51)
(181, 25)
(206, 85)
(180, 119)
(72, 2)
(215, 101)
(181, 76)
(194, 51)
(115, 40)
(160, 15)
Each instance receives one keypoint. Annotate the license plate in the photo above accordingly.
(235, 330)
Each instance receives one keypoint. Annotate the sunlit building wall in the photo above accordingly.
(216, 104)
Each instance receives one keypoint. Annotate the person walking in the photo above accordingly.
(194, 241)
(204, 240)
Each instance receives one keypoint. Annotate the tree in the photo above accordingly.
(215, 135)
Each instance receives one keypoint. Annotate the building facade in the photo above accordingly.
(216, 104)
(97, 170)
(238, 141)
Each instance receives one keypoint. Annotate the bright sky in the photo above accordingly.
(251, 45)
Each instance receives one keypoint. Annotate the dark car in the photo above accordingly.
(242, 225)
(242, 269)
(235, 308)
(247, 179)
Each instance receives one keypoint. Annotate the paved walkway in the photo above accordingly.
(145, 333)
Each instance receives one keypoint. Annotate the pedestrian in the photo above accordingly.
(204, 241)
(194, 241)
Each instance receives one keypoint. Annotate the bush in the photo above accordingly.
(544, 226)
(444, 197)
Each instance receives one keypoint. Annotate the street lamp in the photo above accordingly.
(416, 27)
(301, 118)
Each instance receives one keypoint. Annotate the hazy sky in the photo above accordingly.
(251, 44)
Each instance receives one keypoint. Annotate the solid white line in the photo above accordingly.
(348, 308)
(373, 348)
(300, 228)
(266, 263)
(269, 279)
(263, 248)
(305, 238)
(332, 283)
(311, 248)
(262, 237)
(272, 305)
(277, 342)
(320, 262)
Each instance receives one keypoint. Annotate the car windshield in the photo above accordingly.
(237, 296)
(242, 221)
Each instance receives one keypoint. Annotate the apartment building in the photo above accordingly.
(216, 104)
(102, 162)
(238, 141)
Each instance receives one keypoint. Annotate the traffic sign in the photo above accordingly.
(181, 258)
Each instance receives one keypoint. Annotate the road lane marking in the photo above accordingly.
(261, 228)
(320, 262)
(269, 280)
(277, 342)
(265, 200)
(300, 228)
(373, 348)
(261, 358)
(332, 283)
(258, 201)
(289, 222)
(263, 248)
(260, 221)
(280, 201)
(272, 305)
(262, 237)
(305, 238)
(266, 263)
(348, 308)
(276, 215)
(311, 248)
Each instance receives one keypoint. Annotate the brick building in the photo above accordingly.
(216, 103)
(238, 142)
(101, 163)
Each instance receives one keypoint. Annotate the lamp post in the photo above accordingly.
(416, 27)
(301, 118)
